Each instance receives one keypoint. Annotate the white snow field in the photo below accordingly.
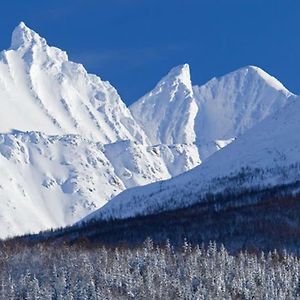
(68, 143)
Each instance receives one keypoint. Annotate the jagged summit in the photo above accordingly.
(178, 74)
(32, 46)
(167, 112)
(23, 36)
(41, 90)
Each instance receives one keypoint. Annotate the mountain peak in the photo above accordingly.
(23, 36)
(180, 73)
(181, 69)
(167, 112)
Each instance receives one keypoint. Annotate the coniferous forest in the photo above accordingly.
(83, 271)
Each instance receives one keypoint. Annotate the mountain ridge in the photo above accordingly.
(210, 115)
(266, 155)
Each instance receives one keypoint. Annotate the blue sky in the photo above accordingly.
(133, 43)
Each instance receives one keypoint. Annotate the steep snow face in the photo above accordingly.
(40, 90)
(268, 154)
(230, 105)
(211, 115)
(167, 113)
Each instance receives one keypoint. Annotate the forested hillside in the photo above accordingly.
(256, 219)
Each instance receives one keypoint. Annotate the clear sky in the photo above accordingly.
(133, 43)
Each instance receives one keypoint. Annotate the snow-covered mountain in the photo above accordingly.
(211, 115)
(68, 144)
(56, 177)
(60, 95)
(266, 155)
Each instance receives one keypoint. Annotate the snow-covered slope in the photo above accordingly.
(266, 155)
(51, 181)
(211, 115)
(137, 164)
(41, 90)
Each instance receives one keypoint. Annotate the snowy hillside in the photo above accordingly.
(266, 155)
(60, 95)
(52, 181)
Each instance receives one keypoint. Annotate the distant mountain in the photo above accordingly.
(265, 156)
(212, 115)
